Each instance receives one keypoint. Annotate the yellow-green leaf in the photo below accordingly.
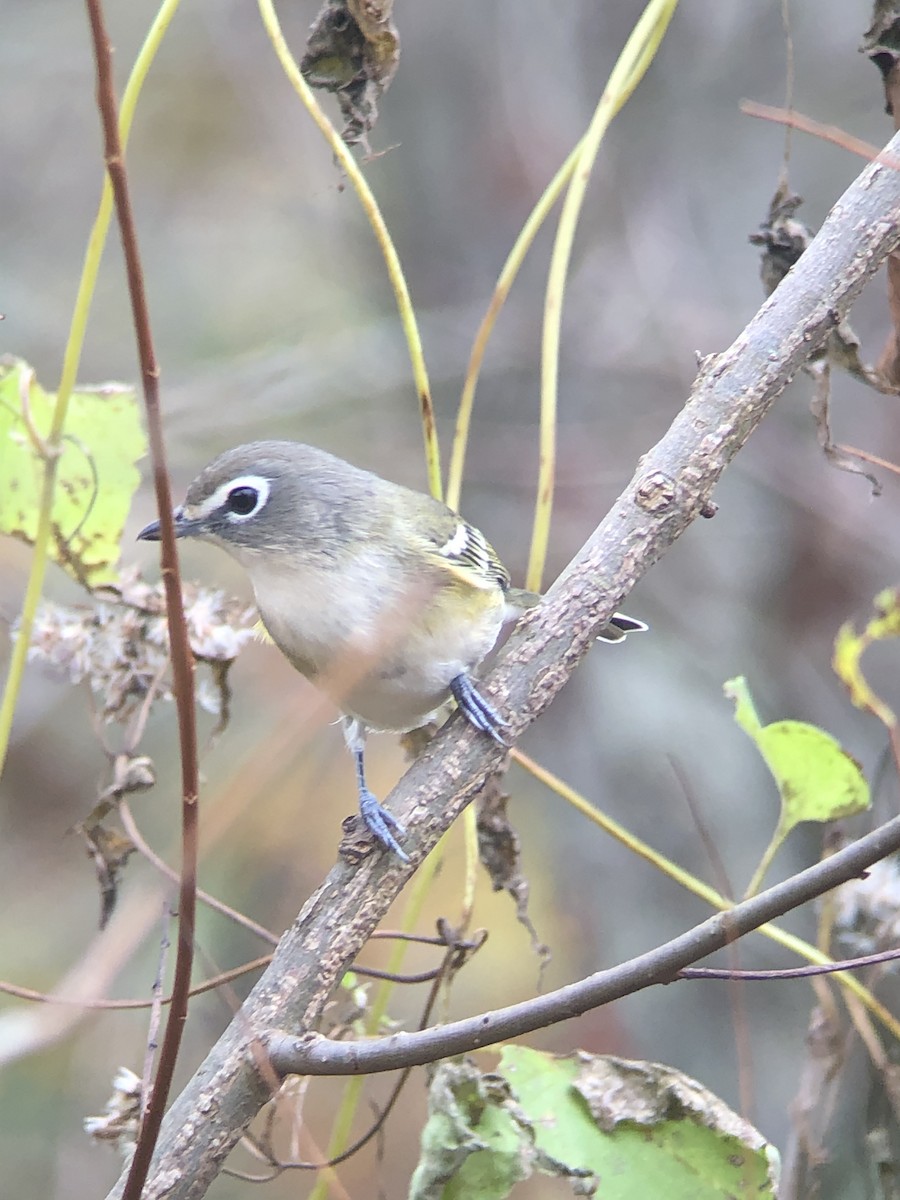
(96, 475)
(849, 647)
(817, 779)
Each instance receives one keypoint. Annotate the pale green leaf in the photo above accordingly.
(96, 476)
(618, 1129)
(817, 779)
(643, 1129)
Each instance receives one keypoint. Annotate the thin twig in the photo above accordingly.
(208, 985)
(378, 1124)
(146, 851)
(827, 133)
(867, 456)
(182, 659)
(849, 964)
(313, 1054)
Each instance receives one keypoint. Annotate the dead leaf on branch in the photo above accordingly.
(118, 644)
(110, 851)
(784, 239)
(888, 367)
(120, 1122)
(499, 851)
(882, 44)
(353, 50)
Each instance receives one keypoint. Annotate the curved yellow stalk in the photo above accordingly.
(502, 288)
(630, 68)
(376, 220)
(71, 360)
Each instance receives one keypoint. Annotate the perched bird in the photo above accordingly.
(382, 596)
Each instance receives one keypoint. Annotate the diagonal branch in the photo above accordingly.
(669, 490)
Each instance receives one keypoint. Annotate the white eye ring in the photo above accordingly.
(248, 484)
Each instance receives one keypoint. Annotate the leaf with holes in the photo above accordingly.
(608, 1127)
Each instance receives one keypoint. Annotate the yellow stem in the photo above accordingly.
(630, 68)
(766, 861)
(797, 945)
(505, 280)
(376, 220)
(71, 360)
(470, 831)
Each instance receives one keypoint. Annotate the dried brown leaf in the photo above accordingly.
(882, 44)
(888, 367)
(109, 851)
(353, 50)
(784, 239)
(499, 850)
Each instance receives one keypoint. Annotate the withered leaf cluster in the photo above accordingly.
(118, 642)
(353, 50)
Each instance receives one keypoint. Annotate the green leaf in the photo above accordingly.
(627, 1129)
(96, 475)
(642, 1129)
(470, 1144)
(817, 779)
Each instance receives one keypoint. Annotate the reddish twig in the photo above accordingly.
(208, 985)
(827, 133)
(182, 659)
(867, 456)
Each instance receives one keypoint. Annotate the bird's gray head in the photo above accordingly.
(271, 497)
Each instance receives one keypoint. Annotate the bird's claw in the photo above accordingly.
(381, 824)
(477, 710)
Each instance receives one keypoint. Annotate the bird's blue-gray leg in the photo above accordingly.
(376, 817)
(478, 711)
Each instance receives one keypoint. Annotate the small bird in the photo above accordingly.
(382, 596)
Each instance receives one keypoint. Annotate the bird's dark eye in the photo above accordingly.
(242, 500)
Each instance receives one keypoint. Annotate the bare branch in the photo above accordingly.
(670, 488)
(313, 1054)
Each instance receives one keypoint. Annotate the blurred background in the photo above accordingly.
(273, 317)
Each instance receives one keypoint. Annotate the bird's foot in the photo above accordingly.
(478, 711)
(381, 824)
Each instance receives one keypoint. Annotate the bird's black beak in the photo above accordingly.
(183, 528)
